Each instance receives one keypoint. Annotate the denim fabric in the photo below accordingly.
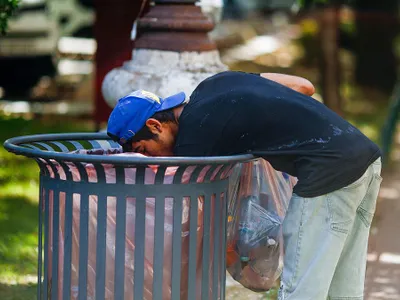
(326, 241)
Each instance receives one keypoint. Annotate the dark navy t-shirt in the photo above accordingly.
(235, 112)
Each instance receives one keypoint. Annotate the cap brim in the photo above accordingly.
(172, 101)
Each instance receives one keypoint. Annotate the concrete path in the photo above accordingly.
(383, 272)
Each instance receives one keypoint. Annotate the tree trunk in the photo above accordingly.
(376, 28)
(329, 57)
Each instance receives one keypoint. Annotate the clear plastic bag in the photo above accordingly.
(258, 200)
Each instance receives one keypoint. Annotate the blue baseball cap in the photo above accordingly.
(132, 111)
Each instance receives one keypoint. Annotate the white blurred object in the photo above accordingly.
(134, 31)
(35, 32)
(71, 67)
(253, 48)
(30, 34)
(161, 72)
(73, 45)
(31, 2)
(212, 9)
(51, 108)
(215, 3)
(78, 15)
(16, 107)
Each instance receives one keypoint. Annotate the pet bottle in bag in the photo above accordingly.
(255, 252)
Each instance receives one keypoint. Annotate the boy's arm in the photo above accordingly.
(296, 83)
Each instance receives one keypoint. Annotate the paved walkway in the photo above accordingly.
(383, 272)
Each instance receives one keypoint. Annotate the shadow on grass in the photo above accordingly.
(18, 291)
(19, 236)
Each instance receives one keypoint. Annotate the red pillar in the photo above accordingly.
(112, 30)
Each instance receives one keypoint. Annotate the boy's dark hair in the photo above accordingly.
(145, 133)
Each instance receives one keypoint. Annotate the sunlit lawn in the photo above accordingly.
(18, 208)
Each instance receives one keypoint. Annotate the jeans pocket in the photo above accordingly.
(341, 212)
(366, 209)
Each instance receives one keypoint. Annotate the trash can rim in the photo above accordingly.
(13, 145)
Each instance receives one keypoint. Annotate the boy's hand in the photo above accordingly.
(296, 83)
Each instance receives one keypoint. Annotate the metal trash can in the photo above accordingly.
(80, 261)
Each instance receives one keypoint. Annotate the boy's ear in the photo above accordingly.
(154, 126)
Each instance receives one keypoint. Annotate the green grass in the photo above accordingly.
(18, 291)
(19, 207)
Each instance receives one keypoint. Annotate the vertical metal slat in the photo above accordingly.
(159, 237)
(101, 175)
(178, 174)
(55, 254)
(46, 244)
(158, 248)
(40, 240)
(120, 248)
(83, 246)
(119, 290)
(140, 174)
(67, 246)
(206, 248)
(176, 247)
(160, 175)
(101, 247)
(139, 246)
(193, 214)
(223, 240)
(82, 172)
(216, 230)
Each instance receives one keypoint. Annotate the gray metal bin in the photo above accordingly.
(77, 265)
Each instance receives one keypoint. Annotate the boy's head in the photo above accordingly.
(143, 122)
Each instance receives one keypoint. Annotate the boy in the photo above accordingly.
(327, 224)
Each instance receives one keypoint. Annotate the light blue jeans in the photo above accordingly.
(326, 241)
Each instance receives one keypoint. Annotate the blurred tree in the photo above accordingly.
(329, 63)
(376, 29)
(390, 126)
(328, 49)
(7, 8)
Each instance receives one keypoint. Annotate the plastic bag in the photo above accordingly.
(130, 234)
(258, 200)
